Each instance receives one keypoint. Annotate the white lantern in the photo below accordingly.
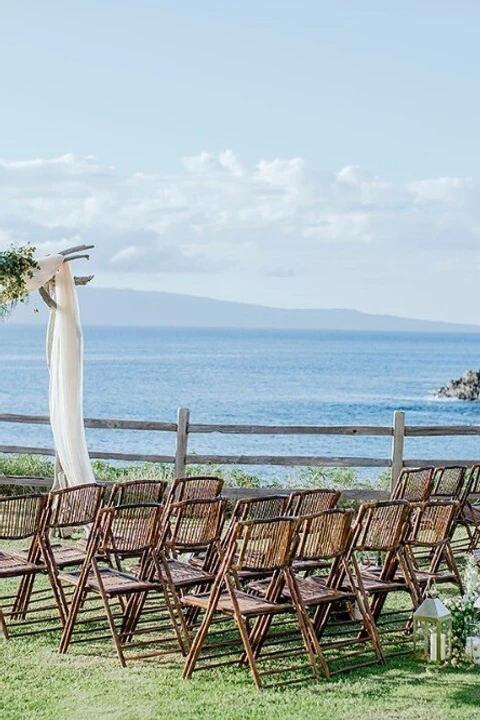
(432, 631)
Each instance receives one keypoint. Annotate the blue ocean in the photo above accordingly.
(250, 376)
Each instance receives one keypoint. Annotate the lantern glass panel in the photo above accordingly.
(432, 639)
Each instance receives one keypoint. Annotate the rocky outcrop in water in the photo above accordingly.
(465, 388)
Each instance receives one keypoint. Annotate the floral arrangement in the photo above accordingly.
(464, 613)
(16, 264)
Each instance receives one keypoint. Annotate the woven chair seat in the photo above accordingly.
(184, 575)
(373, 584)
(114, 581)
(314, 590)
(248, 604)
(13, 564)
(64, 554)
(423, 577)
(68, 555)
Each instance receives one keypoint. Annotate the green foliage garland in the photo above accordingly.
(16, 264)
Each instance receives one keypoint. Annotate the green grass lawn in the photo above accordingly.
(88, 682)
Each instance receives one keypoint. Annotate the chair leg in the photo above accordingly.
(310, 640)
(242, 628)
(3, 625)
(175, 610)
(77, 601)
(108, 612)
(52, 572)
(202, 633)
(362, 604)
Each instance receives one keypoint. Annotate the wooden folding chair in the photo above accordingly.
(311, 502)
(325, 541)
(74, 507)
(124, 530)
(469, 516)
(413, 484)
(453, 483)
(381, 528)
(254, 508)
(431, 530)
(22, 517)
(191, 526)
(259, 546)
(133, 492)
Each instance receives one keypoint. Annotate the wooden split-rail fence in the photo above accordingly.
(183, 429)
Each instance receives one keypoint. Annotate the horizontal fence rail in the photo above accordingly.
(183, 429)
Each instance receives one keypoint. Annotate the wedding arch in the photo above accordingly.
(23, 274)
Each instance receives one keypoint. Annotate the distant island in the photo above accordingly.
(101, 306)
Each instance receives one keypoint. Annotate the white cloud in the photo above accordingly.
(279, 216)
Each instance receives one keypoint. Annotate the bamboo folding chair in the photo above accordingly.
(326, 538)
(197, 487)
(469, 516)
(124, 530)
(133, 492)
(381, 528)
(311, 502)
(264, 546)
(430, 530)
(453, 483)
(256, 508)
(191, 526)
(74, 507)
(21, 518)
(413, 484)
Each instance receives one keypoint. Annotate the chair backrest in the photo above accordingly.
(134, 492)
(129, 529)
(263, 545)
(200, 487)
(413, 484)
(194, 524)
(311, 502)
(431, 522)
(74, 506)
(473, 473)
(325, 535)
(259, 508)
(21, 516)
(450, 482)
(381, 526)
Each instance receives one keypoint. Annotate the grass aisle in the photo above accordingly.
(36, 682)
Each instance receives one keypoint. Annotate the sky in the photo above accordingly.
(306, 153)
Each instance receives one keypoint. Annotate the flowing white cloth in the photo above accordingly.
(47, 267)
(65, 361)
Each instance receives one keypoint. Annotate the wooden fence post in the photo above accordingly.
(183, 419)
(397, 444)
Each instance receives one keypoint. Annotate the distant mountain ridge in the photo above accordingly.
(102, 306)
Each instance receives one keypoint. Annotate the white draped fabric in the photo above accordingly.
(65, 361)
(47, 267)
